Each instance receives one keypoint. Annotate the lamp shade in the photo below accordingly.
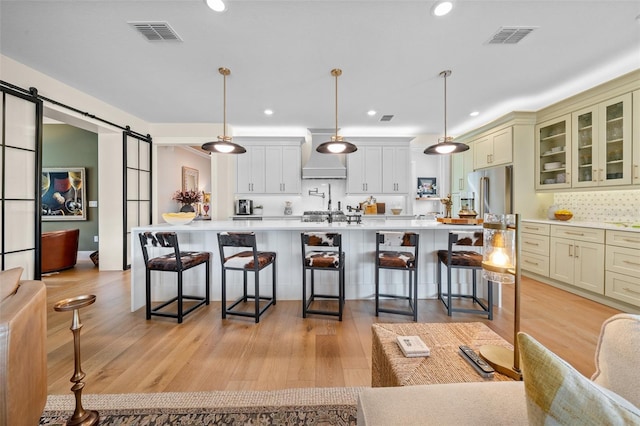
(499, 254)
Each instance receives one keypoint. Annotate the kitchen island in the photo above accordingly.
(283, 237)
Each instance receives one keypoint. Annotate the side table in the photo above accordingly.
(445, 365)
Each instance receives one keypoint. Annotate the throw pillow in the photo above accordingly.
(558, 394)
(9, 281)
(618, 357)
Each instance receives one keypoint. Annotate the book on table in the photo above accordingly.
(412, 346)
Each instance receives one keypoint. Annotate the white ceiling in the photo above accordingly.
(281, 53)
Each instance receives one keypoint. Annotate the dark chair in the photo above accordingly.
(463, 259)
(322, 251)
(174, 261)
(389, 256)
(245, 261)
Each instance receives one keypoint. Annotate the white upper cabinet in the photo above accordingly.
(282, 165)
(553, 163)
(494, 149)
(635, 169)
(395, 170)
(602, 143)
(363, 170)
(270, 166)
(251, 171)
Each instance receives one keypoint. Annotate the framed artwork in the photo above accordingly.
(427, 187)
(189, 179)
(63, 194)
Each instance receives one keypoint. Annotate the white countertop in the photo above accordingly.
(298, 225)
(615, 226)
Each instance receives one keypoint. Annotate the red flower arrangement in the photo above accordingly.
(187, 197)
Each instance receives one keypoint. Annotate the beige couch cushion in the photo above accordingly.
(556, 393)
(9, 280)
(618, 357)
(477, 403)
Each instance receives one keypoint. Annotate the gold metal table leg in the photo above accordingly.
(80, 416)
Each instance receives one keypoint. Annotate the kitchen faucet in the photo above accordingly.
(329, 201)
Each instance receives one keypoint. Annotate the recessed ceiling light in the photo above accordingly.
(474, 114)
(268, 112)
(216, 5)
(371, 112)
(441, 8)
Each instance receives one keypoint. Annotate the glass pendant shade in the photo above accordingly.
(499, 257)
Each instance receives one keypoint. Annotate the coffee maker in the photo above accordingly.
(244, 207)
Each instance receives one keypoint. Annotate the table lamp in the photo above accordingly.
(501, 264)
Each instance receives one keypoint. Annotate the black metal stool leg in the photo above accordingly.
(224, 293)
(179, 297)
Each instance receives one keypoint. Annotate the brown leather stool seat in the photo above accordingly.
(463, 259)
(322, 251)
(175, 261)
(392, 252)
(246, 261)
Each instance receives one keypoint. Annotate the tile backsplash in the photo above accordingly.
(601, 206)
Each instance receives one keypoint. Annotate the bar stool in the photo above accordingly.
(246, 261)
(177, 261)
(319, 254)
(463, 259)
(390, 257)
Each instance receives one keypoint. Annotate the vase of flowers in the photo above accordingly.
(187, 199)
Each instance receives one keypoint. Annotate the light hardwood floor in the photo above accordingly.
(122, 352)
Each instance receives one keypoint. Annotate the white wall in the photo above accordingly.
(168, 175)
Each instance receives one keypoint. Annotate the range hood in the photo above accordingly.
(323, 166)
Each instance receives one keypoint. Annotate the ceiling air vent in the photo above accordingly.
(510, 35)
(387, 117)
(156, 31)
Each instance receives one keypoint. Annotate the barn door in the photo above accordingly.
(20, 181)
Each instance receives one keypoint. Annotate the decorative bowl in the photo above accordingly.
(182, 218)
(396, 211)
(563, 216)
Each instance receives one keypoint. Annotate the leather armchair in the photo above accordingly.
(23, 351)
(59, 249)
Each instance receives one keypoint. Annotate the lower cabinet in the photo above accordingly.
(535, 248)
(577, 257)
(623, 267)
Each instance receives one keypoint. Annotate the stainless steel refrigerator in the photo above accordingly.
(492, 190)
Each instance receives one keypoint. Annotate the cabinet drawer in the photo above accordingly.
(579, 234)
(535, 228)
(538, 244)
(623, 260)
(535, 263)
(624, 239)
(622, 287)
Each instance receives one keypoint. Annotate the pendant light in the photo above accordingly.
(446, 145)
(336, 145)
(224, 145)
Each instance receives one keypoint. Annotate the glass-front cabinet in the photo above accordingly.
(615, 141)
(553, 161)
(602, 143)
(590, 147)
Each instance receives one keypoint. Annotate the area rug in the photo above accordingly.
(302, 406)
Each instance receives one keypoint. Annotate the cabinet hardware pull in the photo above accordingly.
(574, 233)
(461, 184)
(630, 291)
(630, 240)
(531, 244)
(601, 174)
(636, 174)
(533, 263)
(570, 251)
(577, 251)
(630, 262)
(532, 228)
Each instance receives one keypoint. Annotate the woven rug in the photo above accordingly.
(303, 406)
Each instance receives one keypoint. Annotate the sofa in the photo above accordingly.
(59, 250)
(23, 352)
(552, 392)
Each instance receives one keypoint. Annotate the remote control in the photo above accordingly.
(484, 369)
